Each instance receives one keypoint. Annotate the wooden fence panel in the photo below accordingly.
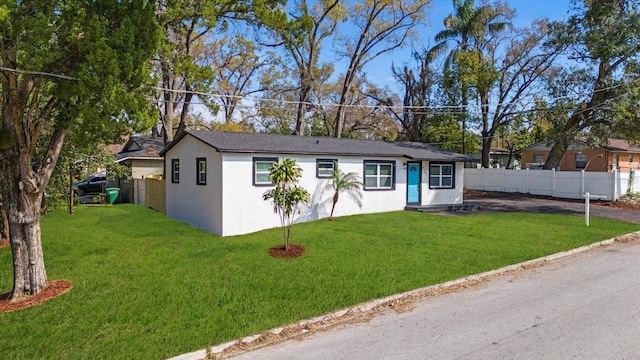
(154, 194)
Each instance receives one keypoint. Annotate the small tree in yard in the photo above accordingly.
(286, 196)
(348, 183)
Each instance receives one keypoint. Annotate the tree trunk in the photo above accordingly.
(4, 224)
(486, 151)
(302, 108)
(555, 155)
(22, 204)
(333, 205)
(29, 274)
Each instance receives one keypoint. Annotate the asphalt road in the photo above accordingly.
(586, 306)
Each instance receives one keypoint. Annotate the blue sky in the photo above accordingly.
(379, 70)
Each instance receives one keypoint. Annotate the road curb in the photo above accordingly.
(235, 347)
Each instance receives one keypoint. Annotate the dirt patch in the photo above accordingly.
(51, 291)
(280, 251)
(4, 244)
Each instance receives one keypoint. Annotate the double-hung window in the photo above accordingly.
(262, 171)
(441, 176)
(175, 170)
(379, 175)
(325, 167)
(201, 168)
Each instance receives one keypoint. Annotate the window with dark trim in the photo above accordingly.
(262, 171)
(441, 176)
(581, 161)
(325, 167)
(201, 171)
(538, 159)
(175, 170)
(379, 175)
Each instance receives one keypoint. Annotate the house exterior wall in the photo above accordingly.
(568, 161)
(197, 205)
(230, 204)
(244, 211)
(623, 160)
(443, 196)
(255, 214)
(141, 169)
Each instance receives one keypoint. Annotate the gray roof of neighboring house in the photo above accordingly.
(312, 145)
(142, 147)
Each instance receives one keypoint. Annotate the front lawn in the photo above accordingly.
(148, 287)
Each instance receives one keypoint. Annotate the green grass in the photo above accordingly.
(148, 287)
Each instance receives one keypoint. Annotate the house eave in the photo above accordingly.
(155, 158)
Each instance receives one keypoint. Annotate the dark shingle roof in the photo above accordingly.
(142, 147)
(312, 145)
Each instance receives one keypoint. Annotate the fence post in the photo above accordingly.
(586, 209)
(553, 182)
(582, 182)
(616, 178)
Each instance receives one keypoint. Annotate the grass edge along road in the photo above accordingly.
(146, 286)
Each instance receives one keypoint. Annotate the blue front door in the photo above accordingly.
(413, 183)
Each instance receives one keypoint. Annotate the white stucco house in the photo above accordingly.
(215, 180)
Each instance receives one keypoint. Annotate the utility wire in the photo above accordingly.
(398, 108)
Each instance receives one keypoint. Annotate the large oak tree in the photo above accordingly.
(65, 67)
(602, 40)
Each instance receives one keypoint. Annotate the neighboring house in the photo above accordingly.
(142, 155)
(498, 158)
(617, 154)
(215, 180)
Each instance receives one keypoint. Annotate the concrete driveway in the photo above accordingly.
(512, 202)
(585, 306)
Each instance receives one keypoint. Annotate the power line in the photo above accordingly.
(398, 108)
(41, 73)
(444, 109)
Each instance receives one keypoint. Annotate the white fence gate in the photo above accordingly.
(563, 184)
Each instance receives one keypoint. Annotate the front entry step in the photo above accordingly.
(443, 208)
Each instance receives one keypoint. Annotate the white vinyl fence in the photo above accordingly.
(562, 184)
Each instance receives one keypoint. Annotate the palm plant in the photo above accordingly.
(348, 183)
(467, 26)
(286, 196)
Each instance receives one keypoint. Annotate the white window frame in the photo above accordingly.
(436, 180)
(323, 171)
(256, 172)
(379, 179)
(201, 172)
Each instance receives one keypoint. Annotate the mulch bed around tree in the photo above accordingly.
(293, 252)
(4, 243)
(53, 290)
